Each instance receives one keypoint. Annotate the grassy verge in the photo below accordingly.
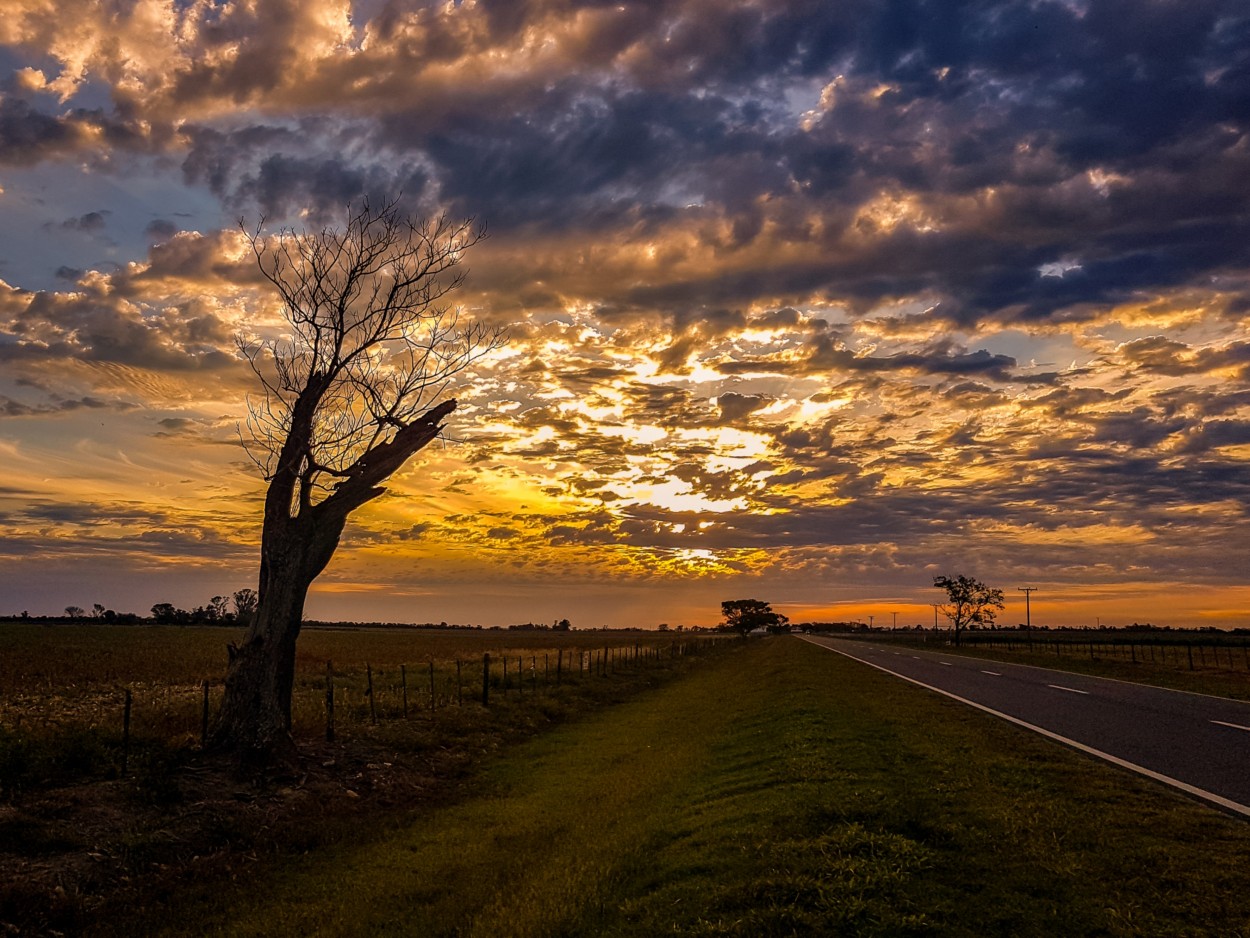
(782, 790)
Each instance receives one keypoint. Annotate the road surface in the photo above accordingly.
(1193, 742)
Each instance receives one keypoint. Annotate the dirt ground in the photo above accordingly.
(72, 857)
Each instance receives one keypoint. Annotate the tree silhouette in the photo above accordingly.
(346, 399)
(970, 603)
(743, 615)
(244, 605)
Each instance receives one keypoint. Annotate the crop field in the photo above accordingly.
(63, 689)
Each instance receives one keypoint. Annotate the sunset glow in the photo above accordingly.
(807, 305)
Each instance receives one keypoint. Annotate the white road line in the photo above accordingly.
(1070, 690)
(1236, 726)
(995, 673)
(1225, 803)
(945, 664)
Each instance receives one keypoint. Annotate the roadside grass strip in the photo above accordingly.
(779, 790)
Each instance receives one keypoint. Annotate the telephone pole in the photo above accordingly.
(1026, 590)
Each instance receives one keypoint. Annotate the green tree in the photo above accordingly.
(743, 615)
(970, 603)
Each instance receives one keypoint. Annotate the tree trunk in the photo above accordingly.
(254, 722)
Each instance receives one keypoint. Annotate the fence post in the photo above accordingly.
(204, 719)
(403, 683)
(373, 709)
(534, 671)
(559, 665)
(505, 675)
(432, 698)
(1190, 651)
(126, 731)
(329, 702)
(486, 679)
(459, 686)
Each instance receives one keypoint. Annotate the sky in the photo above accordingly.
(807, 302)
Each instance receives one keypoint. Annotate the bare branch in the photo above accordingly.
(372, 347)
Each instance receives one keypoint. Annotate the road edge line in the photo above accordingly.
(1096, 677)
(1201, 793)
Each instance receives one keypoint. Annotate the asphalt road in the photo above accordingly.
(1193, 742)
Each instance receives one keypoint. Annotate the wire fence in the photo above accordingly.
(1225, 653)
(56, 736)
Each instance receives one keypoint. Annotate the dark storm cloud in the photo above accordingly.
(1219, 433)
(733, 407)
(29, 135)
(827, 355)
(59, 405)
(1160, 355)
(90, 222)
(1112, 133)
(161, 229)
(102, 326)
(277, 170)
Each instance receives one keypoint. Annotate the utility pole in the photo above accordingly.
(870, 623)
(895, 614)
(1026, 590)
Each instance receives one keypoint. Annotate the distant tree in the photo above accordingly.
(98, 610)
(970, 603)
(75, 612)
(244, 606)
(743, 615)
(217, 609)
(563, 625)
(169, 614)
(347, 397)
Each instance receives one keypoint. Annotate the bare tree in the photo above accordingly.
(971, 603)
(354, 390)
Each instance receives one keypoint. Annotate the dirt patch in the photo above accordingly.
(71, 857)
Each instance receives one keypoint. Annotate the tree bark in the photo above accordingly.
(254, 722)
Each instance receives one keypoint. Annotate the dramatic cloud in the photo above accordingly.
(806, 300)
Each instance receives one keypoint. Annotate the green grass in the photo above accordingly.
(779, 790)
